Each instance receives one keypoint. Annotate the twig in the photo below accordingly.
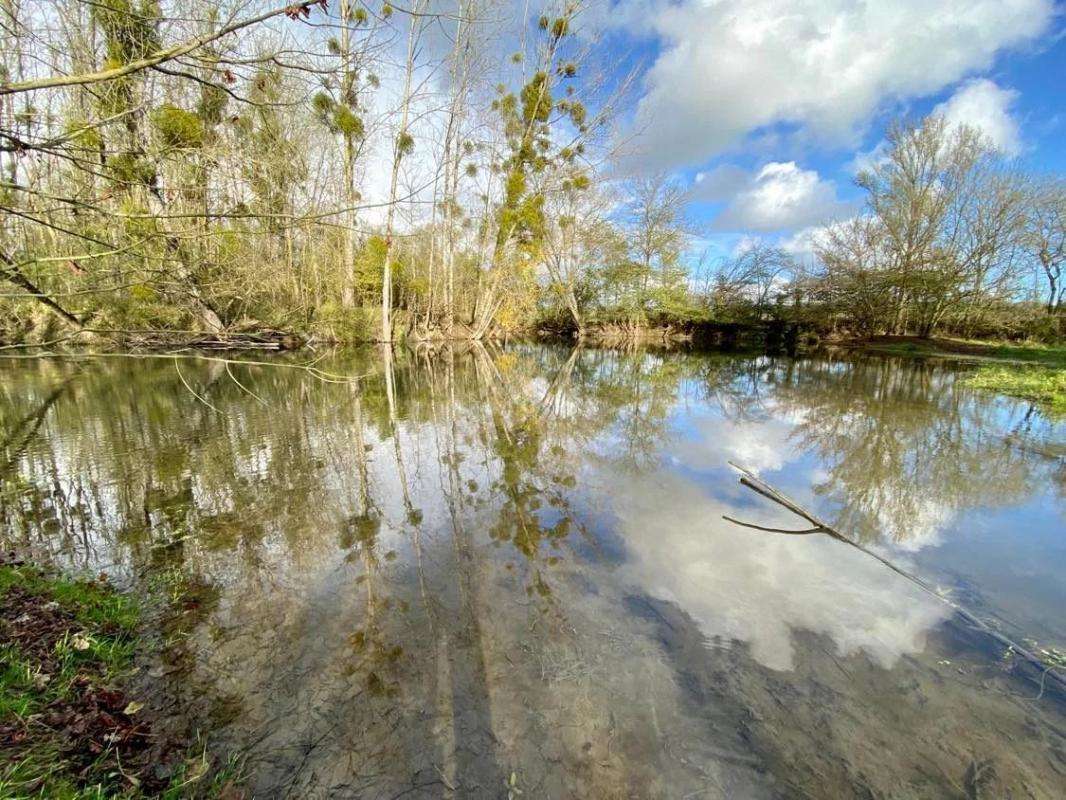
(757, 484)
(192, 390)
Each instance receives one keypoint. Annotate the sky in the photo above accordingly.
(766, 109)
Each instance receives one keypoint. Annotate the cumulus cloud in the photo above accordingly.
(720, 183)
(804, 243)
(728, 69)
(982, 104)
(759, 588)
(779, 196)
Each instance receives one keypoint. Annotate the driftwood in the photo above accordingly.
(1047, 672)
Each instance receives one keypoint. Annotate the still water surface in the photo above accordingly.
(473, 573)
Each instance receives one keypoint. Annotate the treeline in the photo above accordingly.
(352, 171)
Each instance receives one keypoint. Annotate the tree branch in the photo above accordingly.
(159, 57)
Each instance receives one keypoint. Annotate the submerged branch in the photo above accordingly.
(758, 485)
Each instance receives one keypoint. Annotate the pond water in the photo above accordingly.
(486, 572)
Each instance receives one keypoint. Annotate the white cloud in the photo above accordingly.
(728, 69)
(780, 196)
(759, 588)
(867, 160)
(760, 445)
(804, 243)
(982, 104)
(720, 183)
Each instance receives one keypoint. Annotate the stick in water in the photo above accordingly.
(758, 485)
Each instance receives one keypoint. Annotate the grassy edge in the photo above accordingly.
(1043, 385)
(1028, 352)
(96, 652)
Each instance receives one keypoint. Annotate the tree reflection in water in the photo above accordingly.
(475, 562)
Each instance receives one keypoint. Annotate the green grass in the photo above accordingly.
(1044, 385)
(62, 640)
(1051, 355)
(91, 638)
(93, 604)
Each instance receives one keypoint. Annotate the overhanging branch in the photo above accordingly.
(159, 57)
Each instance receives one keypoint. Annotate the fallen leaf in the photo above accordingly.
(79, 641)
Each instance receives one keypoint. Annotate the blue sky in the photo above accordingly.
(764, 107)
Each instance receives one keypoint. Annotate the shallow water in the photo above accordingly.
(473, 573)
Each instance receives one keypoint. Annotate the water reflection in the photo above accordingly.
(475, 563)
(747, 587)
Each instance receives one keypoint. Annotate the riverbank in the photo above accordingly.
(69, 726)
(1050, 355)
(1043, 385)
(1026, 370)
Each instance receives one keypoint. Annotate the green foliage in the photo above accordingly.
(277, 160)
(577, 113)
(212, 104)
(337, 117)
(322, 104)
(177, 128)
(334, 322)
(131, 29)
(536, 99)
(405, 144)
(370, 265)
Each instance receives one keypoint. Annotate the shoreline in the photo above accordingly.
(75, 720)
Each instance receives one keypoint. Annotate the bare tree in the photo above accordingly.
(1044, 235)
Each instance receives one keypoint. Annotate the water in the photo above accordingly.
(473, 573)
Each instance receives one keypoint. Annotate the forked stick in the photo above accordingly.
(758, 485)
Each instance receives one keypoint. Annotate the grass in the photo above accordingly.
(66, 728)
(1050, 355)
(1043, 385)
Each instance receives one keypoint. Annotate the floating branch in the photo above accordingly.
(758, 485)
